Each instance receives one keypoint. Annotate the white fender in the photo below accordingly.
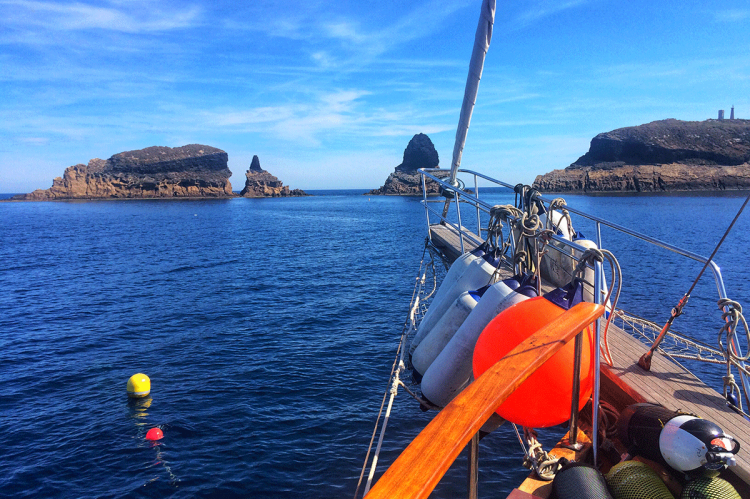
(476, 275)
(559, 222)
(557, 267)
(434, 342)
(451, 371)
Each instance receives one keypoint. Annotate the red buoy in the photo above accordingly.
(544, 399)
(154, 434)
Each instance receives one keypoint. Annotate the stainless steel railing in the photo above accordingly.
(479, 206)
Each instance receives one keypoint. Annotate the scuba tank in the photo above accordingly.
(580, 481)
(634, 479)
(683, 442)
(709, 487)
(474, 275)
(450, 371)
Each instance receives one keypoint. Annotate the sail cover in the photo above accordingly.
(481, 45)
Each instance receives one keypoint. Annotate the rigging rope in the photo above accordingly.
(732, 317)
(591, 257)
(559, 203)
(535, 457)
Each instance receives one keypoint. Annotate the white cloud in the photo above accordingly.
(346, 31)
(732, 15)
(34, 141)
(138, 17)
(542, 9)
(323, 59)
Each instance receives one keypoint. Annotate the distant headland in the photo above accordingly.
(666, 155)
(191, 171)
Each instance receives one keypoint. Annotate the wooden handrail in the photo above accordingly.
(423, 463)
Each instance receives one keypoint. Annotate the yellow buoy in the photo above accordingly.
(139, 385)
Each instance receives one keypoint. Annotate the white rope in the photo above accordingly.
(591, 256)
(394, 392)
(536, 458)
(732, 317)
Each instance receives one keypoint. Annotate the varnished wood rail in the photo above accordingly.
(423, 463)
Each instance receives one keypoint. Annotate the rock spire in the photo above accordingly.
(261, 184)
(405, 180)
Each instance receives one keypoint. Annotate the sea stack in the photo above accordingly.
(193, 170)
(261, 184)
(665, 155)
(405, 180)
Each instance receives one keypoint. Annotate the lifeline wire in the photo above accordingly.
(645, 360)
(398, 366)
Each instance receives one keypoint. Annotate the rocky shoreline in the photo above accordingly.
(661, 156)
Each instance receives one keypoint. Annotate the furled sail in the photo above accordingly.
(481, 45)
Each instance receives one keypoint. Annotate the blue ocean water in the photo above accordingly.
(268, 328)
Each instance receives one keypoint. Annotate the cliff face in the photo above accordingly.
(155, 172)
(261, 184)
(405, 180)
(667, 155)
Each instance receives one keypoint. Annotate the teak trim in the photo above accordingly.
(423, 463)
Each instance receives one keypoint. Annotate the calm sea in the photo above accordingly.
(268, 328)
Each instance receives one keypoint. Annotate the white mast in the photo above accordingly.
(481, 45)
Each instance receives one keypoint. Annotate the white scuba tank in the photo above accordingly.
(557, 267)
(434, 342)
(476, 274)
(451, 371)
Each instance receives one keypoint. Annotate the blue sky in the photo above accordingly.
(328, 94)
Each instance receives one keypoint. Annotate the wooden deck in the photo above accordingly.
(667, 383)
(447, 239)
(674, 387)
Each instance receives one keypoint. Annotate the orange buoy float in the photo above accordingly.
(154, 434)
(544, 399)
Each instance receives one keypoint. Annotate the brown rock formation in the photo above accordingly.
(261, 184)
(668, 155)
(405, 180)
(155, 172)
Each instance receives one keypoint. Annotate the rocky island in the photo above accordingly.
(666, 155)
(193, 170)
(405, 180)
(259, 184)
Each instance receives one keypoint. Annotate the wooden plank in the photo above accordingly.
(447, 239)
(519, 494)
(423, 463)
